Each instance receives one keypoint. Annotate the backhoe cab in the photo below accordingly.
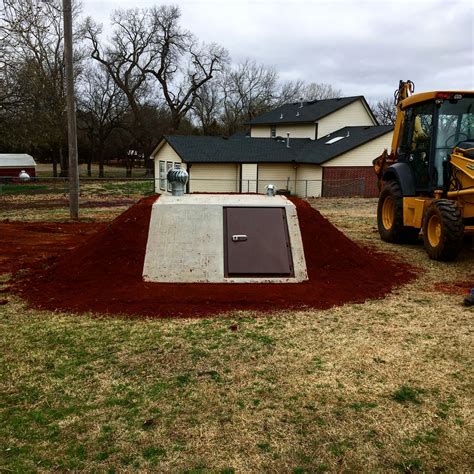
(427, 181)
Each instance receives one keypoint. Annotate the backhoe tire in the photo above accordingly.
(390, 216)
(443, 230)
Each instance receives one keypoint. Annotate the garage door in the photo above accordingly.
(215, 178)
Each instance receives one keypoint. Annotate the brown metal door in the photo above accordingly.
(256, 242)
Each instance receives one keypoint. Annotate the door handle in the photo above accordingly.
(239, 237)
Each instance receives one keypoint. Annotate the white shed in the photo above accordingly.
(11, 164)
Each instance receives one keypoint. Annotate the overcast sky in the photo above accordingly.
(359, 46)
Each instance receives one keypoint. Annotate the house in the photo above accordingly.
(11, 164)
(318, 148)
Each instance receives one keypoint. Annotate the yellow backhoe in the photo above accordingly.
(427, 181)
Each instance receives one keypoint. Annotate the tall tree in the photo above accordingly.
(102, 105)
(123, 59)
(208, 106)
(180, 64)
(319, 91)
(151, 55)
(32, 60)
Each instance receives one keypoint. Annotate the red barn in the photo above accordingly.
(11, 164)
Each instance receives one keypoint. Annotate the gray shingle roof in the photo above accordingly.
(310, 112)
(199, 149)
(16, 160)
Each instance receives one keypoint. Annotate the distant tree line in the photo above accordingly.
(150, 77)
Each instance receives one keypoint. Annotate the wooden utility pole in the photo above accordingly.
(71, 113)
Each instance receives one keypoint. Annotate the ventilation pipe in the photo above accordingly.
(270, 189)
(177, 177)
(287, 139)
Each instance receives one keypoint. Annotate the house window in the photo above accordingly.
(162, 175)
(177, 166)
(169, 165)
(273, 131)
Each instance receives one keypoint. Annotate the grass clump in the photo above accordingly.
(407, 394)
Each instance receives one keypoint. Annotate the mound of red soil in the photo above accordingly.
(24, 245)
(104, 275)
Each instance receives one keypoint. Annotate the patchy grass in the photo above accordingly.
(45, 170)
(407, 394)
(312, 391)
(55, 208)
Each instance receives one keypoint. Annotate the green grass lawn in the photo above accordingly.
(381, 386)
(121, 188)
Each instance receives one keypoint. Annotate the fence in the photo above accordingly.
(127, 187)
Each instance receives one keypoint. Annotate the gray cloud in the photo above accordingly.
(362, 47)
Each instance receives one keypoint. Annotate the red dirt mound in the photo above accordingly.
(104, 275)
(24, 245)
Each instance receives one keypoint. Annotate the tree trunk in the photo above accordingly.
(55, 165)
(91, 157)
(63, 161)
(128, 169)
(101, 163)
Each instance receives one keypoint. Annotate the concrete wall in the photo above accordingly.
(277, 174)
(309, 180)
(249, 177)
(364, 154)
(353, 115)
(214, 178)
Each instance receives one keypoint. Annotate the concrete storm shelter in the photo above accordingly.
(206, 238)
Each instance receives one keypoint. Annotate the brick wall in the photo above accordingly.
(349, 181)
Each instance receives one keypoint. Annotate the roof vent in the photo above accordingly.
(334, 140)
(281, 116)
(348, 134)
(297, 114)
(301, 103)
(177, 178)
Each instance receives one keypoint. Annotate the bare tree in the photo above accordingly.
(32, 72)
(319, 91)
(290, 91)
(248, 89)
(180, 65)
(208, 107)
(150, 52)
(385, 111)
(102, 105)
(124, 60)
